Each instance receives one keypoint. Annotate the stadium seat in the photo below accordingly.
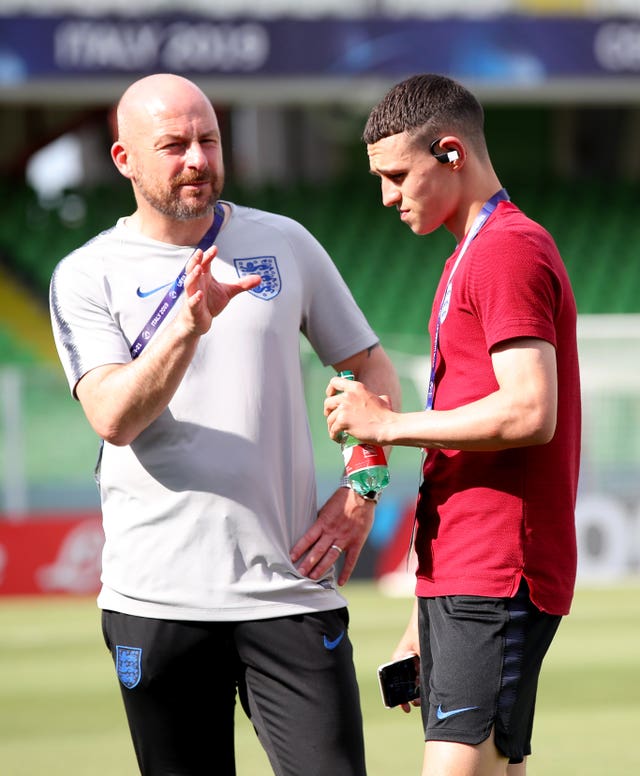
(391, 273)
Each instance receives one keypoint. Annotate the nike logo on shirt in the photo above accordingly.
(441, 714)
(143, 294)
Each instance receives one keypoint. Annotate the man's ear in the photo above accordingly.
(447, 149)
(121, 159)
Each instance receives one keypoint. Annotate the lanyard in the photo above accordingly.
(160, 313)
(480, 219)
(177, 287)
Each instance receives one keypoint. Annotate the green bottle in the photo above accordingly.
(365, 465)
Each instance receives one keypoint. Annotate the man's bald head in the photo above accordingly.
(169, 147)
(148, 99)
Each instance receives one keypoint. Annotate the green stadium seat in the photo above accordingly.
(391, 272)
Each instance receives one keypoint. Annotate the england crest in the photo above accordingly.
(267, 268)
(129, 665)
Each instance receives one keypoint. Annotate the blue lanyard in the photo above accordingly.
(160, 313)
(177, 287)
(480, 219)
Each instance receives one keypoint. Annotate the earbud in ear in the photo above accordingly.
(444, 158)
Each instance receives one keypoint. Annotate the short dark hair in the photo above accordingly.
(426, 105)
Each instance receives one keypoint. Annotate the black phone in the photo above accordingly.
(399, 681)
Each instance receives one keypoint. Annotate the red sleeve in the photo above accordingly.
(513, 283)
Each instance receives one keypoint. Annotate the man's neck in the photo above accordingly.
(159, 227)
(471, 207)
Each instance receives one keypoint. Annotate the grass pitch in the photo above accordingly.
(60, 711)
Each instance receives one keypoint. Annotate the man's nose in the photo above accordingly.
(390, 194)
(195, 156)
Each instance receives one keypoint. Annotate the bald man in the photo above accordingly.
(178, 330)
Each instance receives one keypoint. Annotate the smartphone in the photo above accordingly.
(399, 681)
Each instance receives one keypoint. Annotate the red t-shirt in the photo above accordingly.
(485, 519)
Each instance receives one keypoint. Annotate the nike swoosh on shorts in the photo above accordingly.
(441, 714)
(329, 644)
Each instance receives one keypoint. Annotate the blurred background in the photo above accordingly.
(292, 82)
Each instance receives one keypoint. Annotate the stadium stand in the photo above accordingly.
(566, 148)
(25, 334)
(594, 224)
(319, 8)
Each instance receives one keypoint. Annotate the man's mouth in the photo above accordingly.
(193, 182)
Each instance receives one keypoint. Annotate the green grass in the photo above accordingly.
(60, 710)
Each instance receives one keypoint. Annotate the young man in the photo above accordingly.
(501, 433)
(192, 378)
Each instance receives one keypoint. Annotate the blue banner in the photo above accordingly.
(510, 49)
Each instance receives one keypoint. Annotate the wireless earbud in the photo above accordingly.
(446, 157)
(450, 156)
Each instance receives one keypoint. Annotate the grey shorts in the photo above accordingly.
(480, 660)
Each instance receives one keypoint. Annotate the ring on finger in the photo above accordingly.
(335, 547)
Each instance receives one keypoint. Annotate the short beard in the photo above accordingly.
(169, 204)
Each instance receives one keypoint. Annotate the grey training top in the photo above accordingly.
(201, 510)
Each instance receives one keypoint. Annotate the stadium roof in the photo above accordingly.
(321, 8)
(78, 52)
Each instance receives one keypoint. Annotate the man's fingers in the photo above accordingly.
(320, 557)
(338, 385)
(209, 255)
(249, 281)
(349, 565)
(305, 542)
(194, 260)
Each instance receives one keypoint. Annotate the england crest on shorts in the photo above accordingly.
(129, 665)
(267, 268)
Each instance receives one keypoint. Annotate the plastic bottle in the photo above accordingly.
(365, 465)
